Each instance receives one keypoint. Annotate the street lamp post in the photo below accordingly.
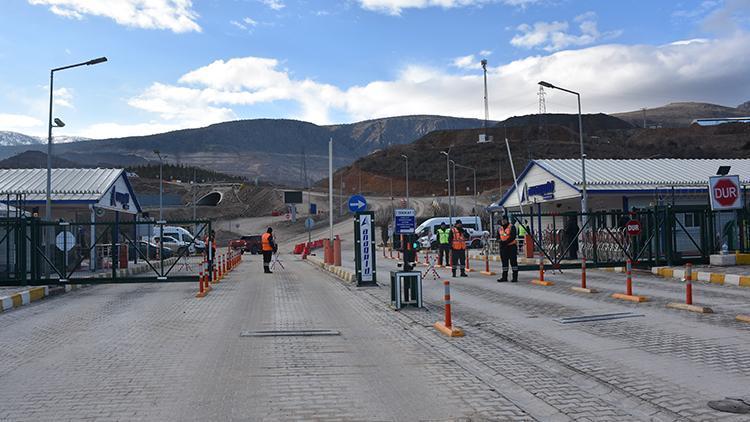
(161, 183)
(407, 179)
(455, 194)
(475, 182)
(57, 123)
(584, 194)
(447, 154)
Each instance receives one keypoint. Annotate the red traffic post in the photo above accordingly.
(447, 327)
(688, 305)
(583, 288)
(337, 252)
(629, 296)
(201, 288)
(487, 266)
(541, 281)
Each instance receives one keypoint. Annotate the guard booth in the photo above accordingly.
(406, 289)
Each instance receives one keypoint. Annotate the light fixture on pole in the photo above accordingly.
(407, 178)
(584, 194)
(57, 123)
(447, 154)
(161, 183)
(483, 137)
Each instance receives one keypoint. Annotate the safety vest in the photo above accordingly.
(265, 242)
(443, 236)
(521, 231)
(505, 234)
(458, 243)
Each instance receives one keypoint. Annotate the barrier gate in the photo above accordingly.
(669, 235)
(36, 252)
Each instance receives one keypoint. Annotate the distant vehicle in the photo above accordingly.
(182, 235)
(148, 249)
(172, 243)
(427, 231)
(250, 244)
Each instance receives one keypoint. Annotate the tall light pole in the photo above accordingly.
(584, 195)
(50, 125)
(407, 178)
(455, 197)
(447, 154)
(486, 104)
(161, 184)
(475, 182)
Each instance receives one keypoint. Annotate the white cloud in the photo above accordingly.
(485, 53)
(245, 24)
(20, 123)
(611, 78)
(395, 7)
(554, 36)
(274, 4)
(464, 62)
(63, 97)
(174, 15)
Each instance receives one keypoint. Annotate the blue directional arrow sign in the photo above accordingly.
(357, 203)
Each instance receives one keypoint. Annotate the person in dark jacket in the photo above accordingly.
(507, 235)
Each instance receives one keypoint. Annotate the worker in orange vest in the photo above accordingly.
(507, 235)
(457, 239)
(268, 247)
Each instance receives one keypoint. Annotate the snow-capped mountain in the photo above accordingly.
(8, 139)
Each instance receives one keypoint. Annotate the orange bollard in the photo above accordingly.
(391, 253)
(541, 281)
(427, 258)
(629, 286)
(583, 273)
(337, 252)
(487, 266)
(447, 327)
(468, 267)
(201, 288)
(689, 285)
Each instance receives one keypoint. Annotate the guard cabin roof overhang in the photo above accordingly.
(544, 181)
(101, 188)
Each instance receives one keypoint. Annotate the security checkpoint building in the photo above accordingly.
(91, 193)
(554, 186)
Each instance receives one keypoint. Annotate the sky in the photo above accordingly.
(176, 64)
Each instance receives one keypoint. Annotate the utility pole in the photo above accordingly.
(486, 103)
(644, 117)
(330, 186)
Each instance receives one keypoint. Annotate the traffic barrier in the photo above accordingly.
(327, 251)
(688, 305)
(541, 281)
(629, 296)
(487, 266)
(337, 251)
(583, 288)
(447, 327)
(201, 287)
(298, 248)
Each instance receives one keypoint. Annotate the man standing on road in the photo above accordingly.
(457, 241)
(268, 245)
(508, 249)
(444, 246)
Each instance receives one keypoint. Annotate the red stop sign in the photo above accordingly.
(726, 192)
(633, 227)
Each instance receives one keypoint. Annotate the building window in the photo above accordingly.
(692, 219)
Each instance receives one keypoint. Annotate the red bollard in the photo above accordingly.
(337, 251)
(468, 267)
(541, 281)
(689, 285)
(427, 258)
(447, 327)
(390, 251)
(487, 266)
(629, 279)
(201, 289)
(583, 273)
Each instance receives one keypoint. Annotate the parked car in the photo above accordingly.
(252, 243)
(182, 235)
(170, 242)
(427, 231)
(148, 249)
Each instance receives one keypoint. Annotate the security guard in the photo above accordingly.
(508, 249)
(268, 246)
(444, 246)
(457, 238)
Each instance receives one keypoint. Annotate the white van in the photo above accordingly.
(182, 236)
(427, 231)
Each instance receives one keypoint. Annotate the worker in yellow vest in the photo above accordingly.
(444, 246)
(457, 238)
(508, 249)
(268, 246)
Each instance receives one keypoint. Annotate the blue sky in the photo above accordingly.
(181, 63)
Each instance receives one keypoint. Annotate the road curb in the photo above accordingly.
(339, 272)
(709, 277)
(23, 298)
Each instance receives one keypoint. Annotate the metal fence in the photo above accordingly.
(36, 252)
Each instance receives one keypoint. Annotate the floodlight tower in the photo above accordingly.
(484, 137)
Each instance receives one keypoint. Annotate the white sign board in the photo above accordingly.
(366, 251)
(725, 192)
(65, 241)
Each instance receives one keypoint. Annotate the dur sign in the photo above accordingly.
(725, 192)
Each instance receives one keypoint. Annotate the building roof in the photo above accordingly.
(713, 121)
(605, 175)
(643, 173)
(85, 185)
